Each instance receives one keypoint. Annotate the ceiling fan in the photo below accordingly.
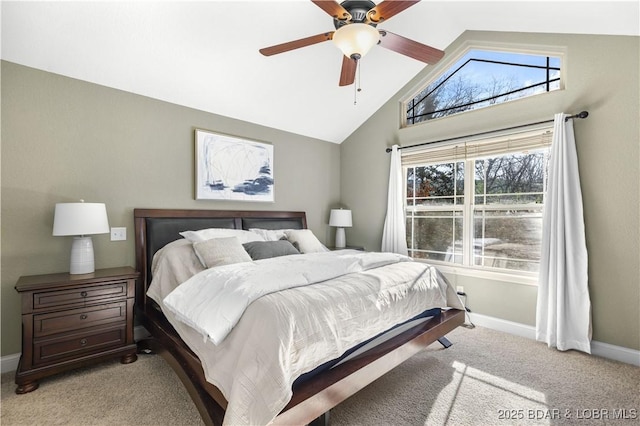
(355, 22)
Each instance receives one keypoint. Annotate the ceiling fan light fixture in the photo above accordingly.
(356, 39)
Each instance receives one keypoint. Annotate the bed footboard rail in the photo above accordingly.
(312, 399)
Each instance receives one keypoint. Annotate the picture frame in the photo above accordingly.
(230, 168)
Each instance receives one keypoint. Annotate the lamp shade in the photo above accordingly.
(80, 219)
(340, 218)
(356, 39)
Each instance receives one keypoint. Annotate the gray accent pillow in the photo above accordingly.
(220, 251)
(266, 249)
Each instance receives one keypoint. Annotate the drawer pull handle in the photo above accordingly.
(83, 342)
(83, 294)
(83, 316)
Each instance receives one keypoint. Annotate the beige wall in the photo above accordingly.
(64, 139)
(602, 77)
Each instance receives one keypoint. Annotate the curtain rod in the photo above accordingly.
(582, 114)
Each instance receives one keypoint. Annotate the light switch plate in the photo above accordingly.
(118, 234)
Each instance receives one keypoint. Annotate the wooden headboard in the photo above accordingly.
(154, 228)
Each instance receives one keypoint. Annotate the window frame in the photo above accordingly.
(463, 49)
(468, 207)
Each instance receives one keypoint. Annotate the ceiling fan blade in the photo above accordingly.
(410, 48)
(348, 72)
(296, 44)
(387, 9)
(333, 9)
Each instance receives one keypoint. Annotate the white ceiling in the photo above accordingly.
(204, 55)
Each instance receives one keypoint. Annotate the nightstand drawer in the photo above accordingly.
(80, 318)
(79, 295)
(73, 346)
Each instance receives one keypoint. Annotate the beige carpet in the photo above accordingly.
(485, 378)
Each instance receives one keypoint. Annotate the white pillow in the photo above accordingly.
(270, 234)
(304, 241)
(207, 234)
(220, 251)
(172, 265)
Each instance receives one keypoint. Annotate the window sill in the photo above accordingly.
(508, 276)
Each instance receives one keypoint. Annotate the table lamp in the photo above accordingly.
(81, 219)
(341, 219)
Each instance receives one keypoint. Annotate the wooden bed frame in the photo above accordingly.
(312, 399)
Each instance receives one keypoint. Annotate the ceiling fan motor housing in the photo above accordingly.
(358, 10)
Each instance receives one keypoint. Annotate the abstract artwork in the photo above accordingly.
(233, 169)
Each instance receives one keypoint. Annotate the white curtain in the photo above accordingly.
(563, 317)
(394, 235)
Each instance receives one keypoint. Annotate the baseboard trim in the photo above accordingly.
(617, 353)
(9, 363)
(604, 350)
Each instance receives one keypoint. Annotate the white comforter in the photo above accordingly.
(284, 334)
(213, 300)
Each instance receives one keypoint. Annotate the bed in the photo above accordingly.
(313, 393)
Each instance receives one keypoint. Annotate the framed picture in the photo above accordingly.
(233, 169)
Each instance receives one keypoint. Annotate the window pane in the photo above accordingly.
(410, 177)
(510, 179)
(443, 182)
(508, 239)
(436, 235)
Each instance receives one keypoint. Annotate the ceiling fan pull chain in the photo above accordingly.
(356, 86)
(355, 90)
(355, 95)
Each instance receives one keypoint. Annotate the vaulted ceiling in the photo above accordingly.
(204, 55)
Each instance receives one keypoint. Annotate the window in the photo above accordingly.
(482, 78)
(478, 204)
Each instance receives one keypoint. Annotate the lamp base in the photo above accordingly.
(82, 256)
(341, 241)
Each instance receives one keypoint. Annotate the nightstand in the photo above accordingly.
(74, 320)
